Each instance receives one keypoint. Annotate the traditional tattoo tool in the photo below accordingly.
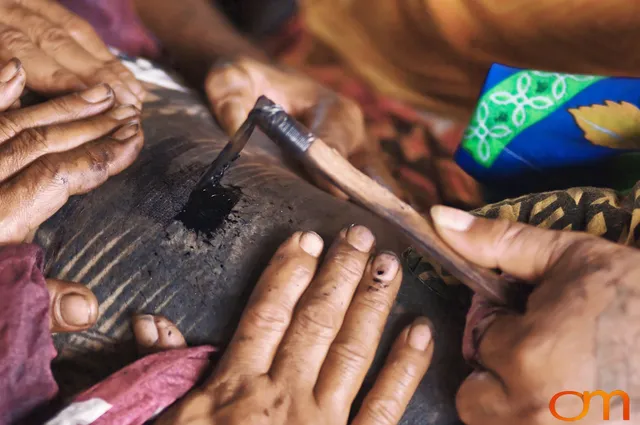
(293, 137)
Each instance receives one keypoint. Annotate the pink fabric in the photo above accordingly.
(135, 393)
(26, 348)
(117, 23)
(149, 385)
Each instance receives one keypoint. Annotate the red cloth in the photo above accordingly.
(148, 386)
(26, 347)
(131, 396)
(117, 23)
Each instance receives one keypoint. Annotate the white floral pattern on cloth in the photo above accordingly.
(559, 86)
(513, 105)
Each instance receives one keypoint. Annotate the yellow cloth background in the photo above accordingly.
(435, 53)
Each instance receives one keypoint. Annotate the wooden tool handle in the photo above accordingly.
(382, 202)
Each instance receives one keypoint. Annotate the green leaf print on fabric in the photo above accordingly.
(516, 104)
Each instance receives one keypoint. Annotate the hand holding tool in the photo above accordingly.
(293, 137)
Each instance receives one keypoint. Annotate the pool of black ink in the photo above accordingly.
(208, 208)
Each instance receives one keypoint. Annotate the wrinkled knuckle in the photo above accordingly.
(318, 320)
(384, 411)
(65, 106)
(49, 170)
(348, 267)
(269, 317)
(54, 35)
(376, 302)
(406, 371)
(14, 39)
(8, 127)
(301, 273)
(35, 139)
(352, 353)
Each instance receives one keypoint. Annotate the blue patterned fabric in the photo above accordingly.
(535, 131)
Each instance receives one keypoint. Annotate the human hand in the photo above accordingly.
(234, 88)
(580, 331)
(307, 338)
(63, 147)
(61, 52)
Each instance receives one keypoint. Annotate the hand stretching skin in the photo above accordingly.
(580, 331)
(72, 306)
(63, 147)
(234, 88)
(307, 338)
(60, 51)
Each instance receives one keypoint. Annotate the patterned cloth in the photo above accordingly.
(537, 131)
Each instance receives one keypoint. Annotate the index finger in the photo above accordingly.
(268, 314)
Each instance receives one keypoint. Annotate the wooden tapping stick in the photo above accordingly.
(293, 137)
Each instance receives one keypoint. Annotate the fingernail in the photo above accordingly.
(420, 334)
(385, 267)
(145, 329)
(75, 310)
(97, 94)
(10, 70)
(124, 112)
(451, 218)
(360, 238)
(311, 243)
(127, 131)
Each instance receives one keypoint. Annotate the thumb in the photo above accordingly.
(525, 252)
(72, 306)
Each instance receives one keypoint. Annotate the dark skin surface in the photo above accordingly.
(124, 243)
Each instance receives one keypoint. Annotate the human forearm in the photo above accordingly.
(194, 33)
